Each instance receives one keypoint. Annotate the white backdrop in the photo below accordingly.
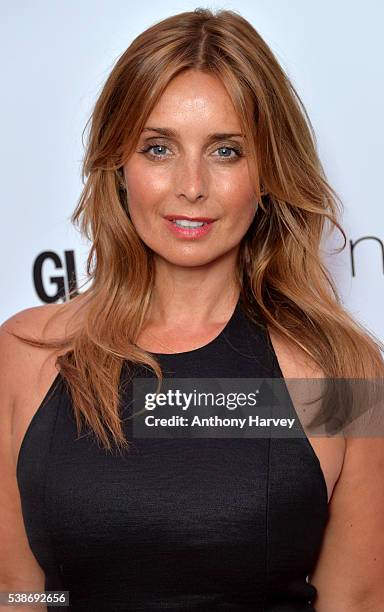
(55, 56)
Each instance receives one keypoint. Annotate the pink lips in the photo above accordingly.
(189, 232)
(176, 216)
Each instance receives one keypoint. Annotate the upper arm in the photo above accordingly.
(349, 574)
(18, 566)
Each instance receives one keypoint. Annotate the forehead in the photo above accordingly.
(196, 99)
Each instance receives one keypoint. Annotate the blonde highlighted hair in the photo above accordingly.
(279, 268)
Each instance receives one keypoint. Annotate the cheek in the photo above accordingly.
(145, 188)
(240, 199)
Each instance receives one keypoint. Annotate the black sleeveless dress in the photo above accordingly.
(176, 524)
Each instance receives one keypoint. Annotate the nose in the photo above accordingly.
(191, 179)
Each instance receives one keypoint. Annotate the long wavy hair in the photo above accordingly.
(279, 269)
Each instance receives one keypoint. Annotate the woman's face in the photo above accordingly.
(191, 161)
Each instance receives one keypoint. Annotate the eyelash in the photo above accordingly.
(237, 150)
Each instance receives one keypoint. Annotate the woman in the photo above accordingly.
(197, 122)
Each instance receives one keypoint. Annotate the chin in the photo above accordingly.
(187, 260)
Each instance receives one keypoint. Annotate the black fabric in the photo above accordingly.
(175, 524)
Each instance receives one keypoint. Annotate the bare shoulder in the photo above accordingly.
(300, 371)
(41, 322)
(45, 322)
(294, 361)
(16, 356)
(19, 358)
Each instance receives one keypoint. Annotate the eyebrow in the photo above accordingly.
(174, 134)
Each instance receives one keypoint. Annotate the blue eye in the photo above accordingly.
(163, 147)
(157, 147)
(146, 150)
(237, 151)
